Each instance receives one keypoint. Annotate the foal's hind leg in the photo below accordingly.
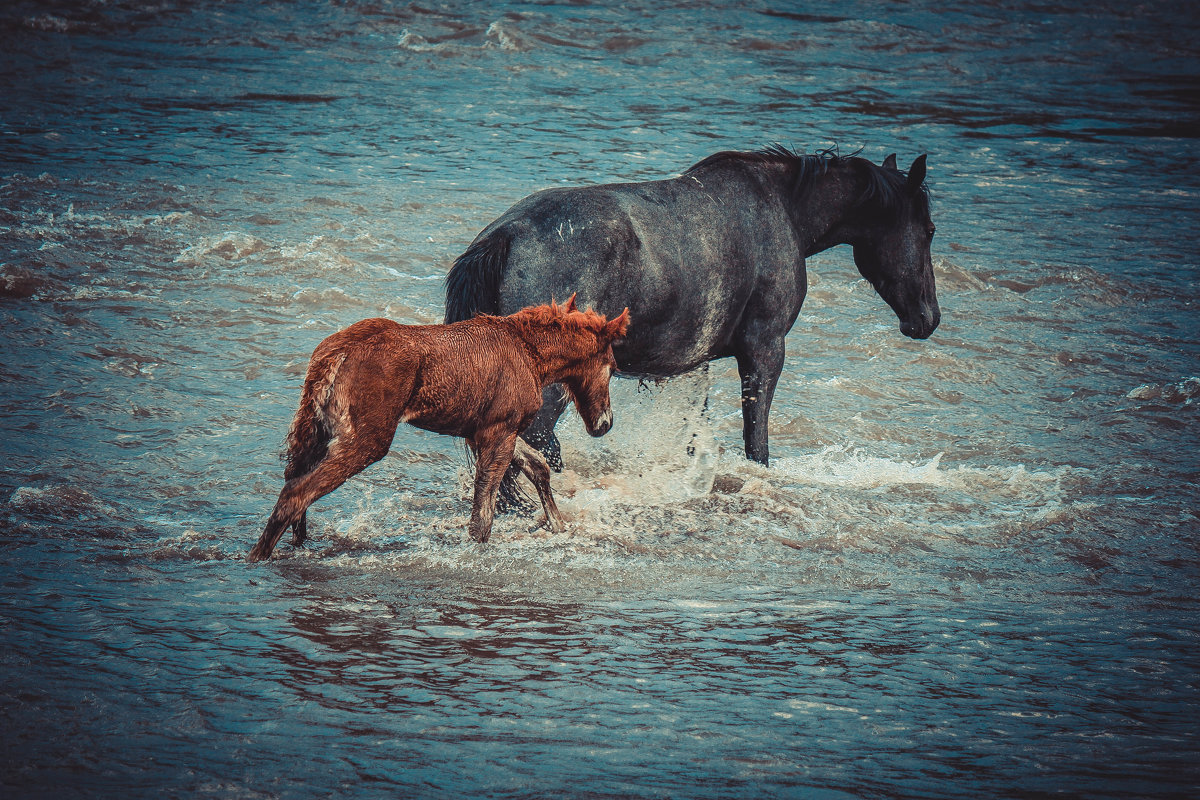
(300, 526)
(345, 459)
(300, 530)
(304, 453)
(534, 466)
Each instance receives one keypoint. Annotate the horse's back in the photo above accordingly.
(671, 251)
(562, 242)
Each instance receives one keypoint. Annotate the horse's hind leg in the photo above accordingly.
(540, 432)
(534, 466)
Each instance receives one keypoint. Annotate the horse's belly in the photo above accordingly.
(666, 350)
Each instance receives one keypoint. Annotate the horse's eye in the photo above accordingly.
(932, 231)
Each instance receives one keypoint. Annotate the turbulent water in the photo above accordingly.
(970, 571)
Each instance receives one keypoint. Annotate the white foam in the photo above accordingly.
(1185, 392)
(333, 297)
(661, 448)
(505, 36)
(853, 468)
(840, 466)
(231, 246)
(416, 42)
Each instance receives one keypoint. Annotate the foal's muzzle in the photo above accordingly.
(603, 423)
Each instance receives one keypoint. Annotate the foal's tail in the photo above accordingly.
(313, 428)
(316, 424)
(473, 283)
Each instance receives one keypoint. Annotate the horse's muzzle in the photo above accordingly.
(922, 326)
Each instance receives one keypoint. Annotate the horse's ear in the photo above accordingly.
(890, 162)
(616, 328)
(570, 304)
(916, 175)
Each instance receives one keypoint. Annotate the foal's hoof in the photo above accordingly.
(550, 524)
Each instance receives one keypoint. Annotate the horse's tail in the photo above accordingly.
(315, 424)
(473, 283)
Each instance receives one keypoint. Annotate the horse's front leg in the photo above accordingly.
(495, 453)
(759, 364)
(540, 432)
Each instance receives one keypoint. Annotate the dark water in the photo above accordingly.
(971, 570)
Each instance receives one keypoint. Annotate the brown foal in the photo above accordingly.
(480, 379)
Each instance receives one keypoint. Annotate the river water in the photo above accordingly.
(971, 570)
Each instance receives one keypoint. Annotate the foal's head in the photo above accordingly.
(586, 339)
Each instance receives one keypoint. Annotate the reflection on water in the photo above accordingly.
(970, 569)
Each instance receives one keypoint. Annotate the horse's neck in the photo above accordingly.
(820, 213)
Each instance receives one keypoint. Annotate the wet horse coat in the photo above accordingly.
(481, 379)
(711, 264)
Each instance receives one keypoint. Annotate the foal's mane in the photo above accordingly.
(559, 316)
(884, 188)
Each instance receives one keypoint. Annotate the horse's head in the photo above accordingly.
(891, 231)
(592, 366)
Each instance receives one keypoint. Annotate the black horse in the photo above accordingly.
(710, 264)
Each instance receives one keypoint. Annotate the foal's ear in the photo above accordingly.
(570, 304)
(890, 162)
(616, 328)
(916, 175)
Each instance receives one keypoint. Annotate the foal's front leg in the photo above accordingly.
(495, 453)
(534, 465)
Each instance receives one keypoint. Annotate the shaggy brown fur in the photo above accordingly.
(480, 379)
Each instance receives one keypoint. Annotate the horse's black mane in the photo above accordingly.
(884, 187)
